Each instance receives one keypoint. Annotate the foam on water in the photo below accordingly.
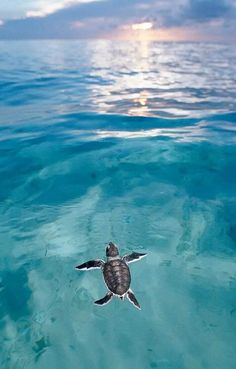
(121, 142)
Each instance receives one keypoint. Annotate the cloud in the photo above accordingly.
(43, 8)
(197, 11)
(23, 9)
(97, 18)
(202, 10)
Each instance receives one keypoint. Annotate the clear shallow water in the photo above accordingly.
(128, 142)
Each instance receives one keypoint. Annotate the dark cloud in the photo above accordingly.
(203, 10)
(198, 11)
(100, 16)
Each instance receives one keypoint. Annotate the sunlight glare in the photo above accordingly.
(142, 26)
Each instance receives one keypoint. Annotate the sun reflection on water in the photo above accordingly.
(140, 104)
(136, 78)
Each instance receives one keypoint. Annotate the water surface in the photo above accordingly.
(129, 142)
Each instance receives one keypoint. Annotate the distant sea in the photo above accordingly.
(128, 142)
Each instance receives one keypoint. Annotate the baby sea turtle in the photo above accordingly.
(116, 274)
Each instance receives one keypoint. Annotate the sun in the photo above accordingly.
(140, 31)
(141, 26)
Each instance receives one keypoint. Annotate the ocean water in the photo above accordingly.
(129, 142)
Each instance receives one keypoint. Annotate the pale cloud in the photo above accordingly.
(1, 22)
(43, 8)
(34, 8)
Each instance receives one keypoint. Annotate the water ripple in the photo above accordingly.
(151, 80)
(133, 143)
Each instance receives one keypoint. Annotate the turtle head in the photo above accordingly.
(112, 250)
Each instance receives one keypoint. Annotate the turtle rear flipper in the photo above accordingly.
(105, 299)
(132, 299)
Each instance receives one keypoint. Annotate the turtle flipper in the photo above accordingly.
(132, 299)
(134, 256)
(105, 299)
(91, 264)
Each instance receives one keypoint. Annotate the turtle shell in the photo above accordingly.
(117, 276)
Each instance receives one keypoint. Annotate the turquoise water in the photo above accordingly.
(129, 142)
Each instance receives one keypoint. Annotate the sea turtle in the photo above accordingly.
(116, 274)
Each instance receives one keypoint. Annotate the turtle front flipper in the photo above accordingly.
(132, 299)
(91, 264)
(134, 256)
(105, 299)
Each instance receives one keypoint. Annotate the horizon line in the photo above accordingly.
(228, 42)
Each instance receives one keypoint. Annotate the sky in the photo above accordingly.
(164, 20)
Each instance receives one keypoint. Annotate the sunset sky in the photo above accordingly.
(189, 20)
